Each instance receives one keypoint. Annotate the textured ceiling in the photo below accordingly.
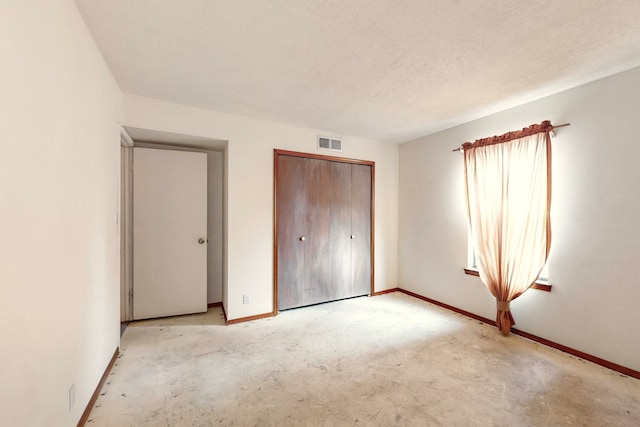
(391, 70)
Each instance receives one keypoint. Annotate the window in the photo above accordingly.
(472, 265)
(508, 193)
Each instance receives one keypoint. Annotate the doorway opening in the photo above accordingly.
(216, 151)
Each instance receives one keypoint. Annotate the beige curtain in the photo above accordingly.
(508, 188)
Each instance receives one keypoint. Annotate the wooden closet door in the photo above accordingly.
(317, 281)
(361, 229)
(339, 233)
(328, 255)
(323, 230)
(291, 206)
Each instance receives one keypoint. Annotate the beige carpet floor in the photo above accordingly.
(391, 360)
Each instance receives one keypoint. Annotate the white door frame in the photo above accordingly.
(126, 230)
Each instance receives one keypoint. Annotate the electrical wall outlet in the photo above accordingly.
(72, 396)
(246, 299)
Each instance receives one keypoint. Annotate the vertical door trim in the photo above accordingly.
(276, 154)
(125, 220)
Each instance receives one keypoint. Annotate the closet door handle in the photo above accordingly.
(353, 236)
(302, 238)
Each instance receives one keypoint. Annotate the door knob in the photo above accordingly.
(201, 240)
(353, 236)
(302, 238)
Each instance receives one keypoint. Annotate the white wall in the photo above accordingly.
(249, 179)
(59, 241)
(595, 220)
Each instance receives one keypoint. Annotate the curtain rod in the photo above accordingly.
(554, 127)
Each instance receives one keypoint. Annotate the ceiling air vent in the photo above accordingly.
(333, 144)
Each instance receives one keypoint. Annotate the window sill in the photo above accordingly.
(539, 284)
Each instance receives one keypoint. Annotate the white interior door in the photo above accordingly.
(169, 233)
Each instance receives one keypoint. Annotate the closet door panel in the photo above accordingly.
(318, 281)
(361, 229)
(339, 233)
(292, 215)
